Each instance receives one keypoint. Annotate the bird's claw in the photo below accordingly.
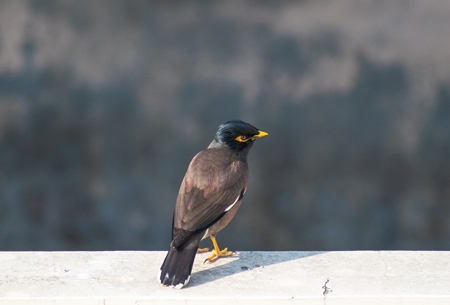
(215, 255)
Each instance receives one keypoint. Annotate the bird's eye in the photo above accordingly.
(242, 138)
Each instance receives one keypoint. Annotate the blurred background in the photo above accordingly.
(104, 103)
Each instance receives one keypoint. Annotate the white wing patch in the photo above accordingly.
(237, 199)
(227, 209)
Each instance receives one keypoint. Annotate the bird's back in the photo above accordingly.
(214, 180)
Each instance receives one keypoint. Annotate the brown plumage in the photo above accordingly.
(209, 197)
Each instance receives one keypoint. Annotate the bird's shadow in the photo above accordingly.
(242, 262)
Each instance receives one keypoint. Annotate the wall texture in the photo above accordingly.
(104, 103)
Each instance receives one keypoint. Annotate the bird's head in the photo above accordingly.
(238, 135)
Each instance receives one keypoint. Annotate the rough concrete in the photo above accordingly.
(361, 277)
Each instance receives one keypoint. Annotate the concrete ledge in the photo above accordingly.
(357, 277)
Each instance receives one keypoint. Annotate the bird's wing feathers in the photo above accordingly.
(212, 183)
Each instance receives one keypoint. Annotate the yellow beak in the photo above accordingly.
(260, 135)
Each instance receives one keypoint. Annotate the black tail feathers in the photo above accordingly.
(177, 266)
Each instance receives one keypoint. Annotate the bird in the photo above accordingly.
(209, 197)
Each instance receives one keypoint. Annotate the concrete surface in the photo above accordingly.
(357, 277)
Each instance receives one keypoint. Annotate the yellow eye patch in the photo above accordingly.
(242, 138)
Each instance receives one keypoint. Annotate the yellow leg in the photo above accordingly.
(216, 252)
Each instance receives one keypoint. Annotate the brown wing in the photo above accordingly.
(215, 179)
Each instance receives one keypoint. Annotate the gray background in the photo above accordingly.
(104, 103)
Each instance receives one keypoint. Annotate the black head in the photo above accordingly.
(238, 135)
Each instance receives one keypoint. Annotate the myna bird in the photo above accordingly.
(209, 197)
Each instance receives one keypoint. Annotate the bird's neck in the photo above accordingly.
(243, 152)
(216, 144)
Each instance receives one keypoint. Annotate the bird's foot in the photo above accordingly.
(202, 250)
(217, 254)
